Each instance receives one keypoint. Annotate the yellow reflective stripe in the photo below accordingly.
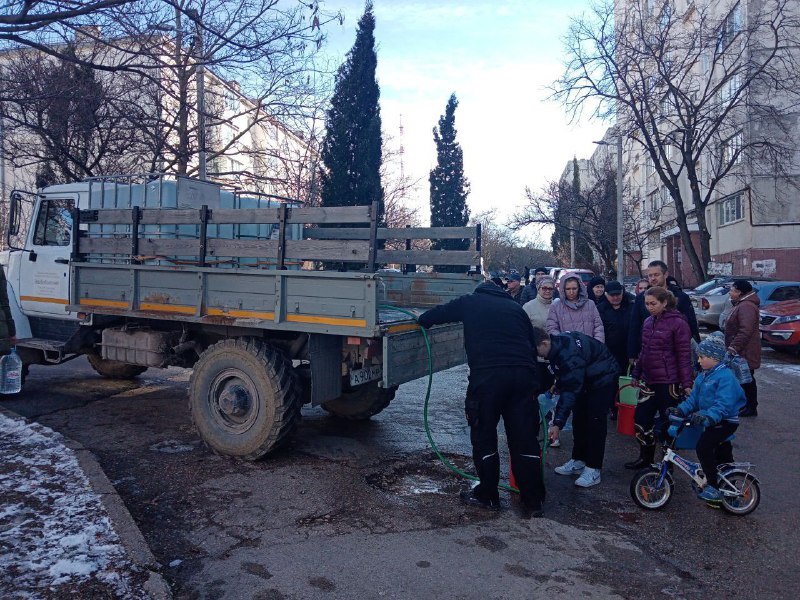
(170, 308)
(402, 328)
(43, 299)
(326, 320)
(106, 303)
(254, 314)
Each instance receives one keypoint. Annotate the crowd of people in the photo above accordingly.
(575, 341)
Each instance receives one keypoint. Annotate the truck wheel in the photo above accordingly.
(243, 398)
(114, 369)
(361, 402)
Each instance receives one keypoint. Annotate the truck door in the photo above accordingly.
(44, 272)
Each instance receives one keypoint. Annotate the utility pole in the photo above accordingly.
(200, 83)
(620, 232)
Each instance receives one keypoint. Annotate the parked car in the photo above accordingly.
(780, 325)
(585, 275)
(709, 307)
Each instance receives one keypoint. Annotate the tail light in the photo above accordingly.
(704, 303)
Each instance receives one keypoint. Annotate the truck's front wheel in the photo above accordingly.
(243, 398)
(361, 402)
(113, 369)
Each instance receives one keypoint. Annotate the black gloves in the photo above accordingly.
(700, 420)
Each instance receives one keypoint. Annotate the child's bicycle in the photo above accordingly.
(651, 488)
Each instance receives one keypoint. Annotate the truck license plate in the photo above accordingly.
(360, 376)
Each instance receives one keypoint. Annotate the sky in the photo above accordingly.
(498, 56)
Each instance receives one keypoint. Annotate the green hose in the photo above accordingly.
(435, 448)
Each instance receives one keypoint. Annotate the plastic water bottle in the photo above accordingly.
(11, 373)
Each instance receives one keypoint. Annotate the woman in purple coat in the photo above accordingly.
(664, 364)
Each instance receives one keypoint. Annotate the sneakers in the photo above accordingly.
(469, 498)
(571, 467)
(554, 444)
(588, 478)
(710, 494)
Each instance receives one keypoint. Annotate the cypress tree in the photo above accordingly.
(449, 187)
(351, 151)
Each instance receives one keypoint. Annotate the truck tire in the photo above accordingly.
(113, 369)
(244, 398)
(361, 402)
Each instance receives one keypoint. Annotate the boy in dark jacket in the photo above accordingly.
(714, 404)
(498, 339)
(586, 379)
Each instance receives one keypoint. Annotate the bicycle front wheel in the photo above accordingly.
(646, 492)
(747, 492)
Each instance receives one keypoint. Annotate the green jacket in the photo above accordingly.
(7, 329)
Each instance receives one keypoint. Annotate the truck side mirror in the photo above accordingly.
(13, 213)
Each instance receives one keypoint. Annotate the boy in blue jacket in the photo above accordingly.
(713, 404)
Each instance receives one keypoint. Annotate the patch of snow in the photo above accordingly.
(783, 369)
(175, 563)
(54, 530)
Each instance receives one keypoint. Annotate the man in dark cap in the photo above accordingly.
(514, 287)
(615, 313)
(498, 338)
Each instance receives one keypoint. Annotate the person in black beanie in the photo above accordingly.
(596, 289)
(503, 382)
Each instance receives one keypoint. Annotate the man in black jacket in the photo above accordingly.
(616, 315)
(657, 274)
(498, 338)
(586, 380)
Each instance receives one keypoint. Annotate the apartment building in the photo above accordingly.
(245, 147)
(753, 209)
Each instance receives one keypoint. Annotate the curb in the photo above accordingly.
(136, 548)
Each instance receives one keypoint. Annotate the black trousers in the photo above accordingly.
(713, 450)
(647, 425)
(590, 425)
(751, 392)
(508, 393)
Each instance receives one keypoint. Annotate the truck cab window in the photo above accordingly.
(54, 223)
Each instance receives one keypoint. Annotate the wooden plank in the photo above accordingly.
(332, 250)
(338, 214)
(243, 248)
(429, 257)
(385, 233)
(227, 216)
(148, 216)
(104, 245)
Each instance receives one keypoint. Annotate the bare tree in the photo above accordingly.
(264, 85)
(592, 213)
(503, 249)
(697, 91)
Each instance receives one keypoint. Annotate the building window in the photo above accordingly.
(731, 149)
(730, 89)
(649, 166)
(231, 101)
(665, 196)
(730, 209)
(730, 27)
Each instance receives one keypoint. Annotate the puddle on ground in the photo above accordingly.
(405, 479)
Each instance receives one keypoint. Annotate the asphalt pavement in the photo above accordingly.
(356, 509)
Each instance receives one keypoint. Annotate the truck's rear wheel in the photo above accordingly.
(113, 369)
(361, 402)
(243, 398)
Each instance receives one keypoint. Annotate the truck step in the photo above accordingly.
(53, 350)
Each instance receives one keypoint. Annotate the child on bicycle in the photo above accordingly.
(714, 404)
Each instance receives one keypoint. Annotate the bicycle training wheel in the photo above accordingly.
(646, 492)
(748, 492)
